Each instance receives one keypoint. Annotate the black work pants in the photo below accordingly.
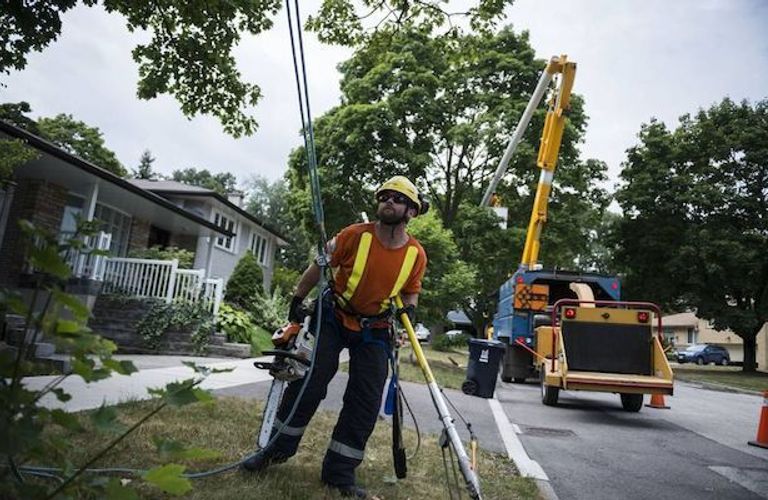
(362, 398)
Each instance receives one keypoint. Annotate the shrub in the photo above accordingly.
(185, 257)
(236, 323)
(192, 317)
(445, 343)
(270, 310)
(245, 284)
(285, 279)
(261, 341)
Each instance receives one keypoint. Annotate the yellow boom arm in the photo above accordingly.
(551, 138)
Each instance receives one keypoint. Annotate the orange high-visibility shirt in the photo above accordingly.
(380, 278)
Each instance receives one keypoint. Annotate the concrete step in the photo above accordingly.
(44, 349)
(218, 339)
(59, 363)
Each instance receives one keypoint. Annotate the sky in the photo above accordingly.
(636, 60)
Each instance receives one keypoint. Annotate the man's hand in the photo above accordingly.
(297, 312)
(410, 310)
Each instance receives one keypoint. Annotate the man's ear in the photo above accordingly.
(412, 212)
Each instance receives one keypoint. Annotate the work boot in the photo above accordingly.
(349, 490)
(261, 461)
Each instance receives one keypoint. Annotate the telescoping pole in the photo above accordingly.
(473, 484)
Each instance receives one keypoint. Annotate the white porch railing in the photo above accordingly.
(84, 263)
(160, 279)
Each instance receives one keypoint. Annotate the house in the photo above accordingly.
(684, 329)
(57, 187)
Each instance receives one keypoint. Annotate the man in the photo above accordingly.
(372, 263)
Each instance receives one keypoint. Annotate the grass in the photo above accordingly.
(447, 374)
(726, 376)
(230, 426)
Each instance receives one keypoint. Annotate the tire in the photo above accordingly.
(469, 387)
(631, 402)
(506, 379)
(518, 380)
(549, 393)
(700, 361)
(725, 361)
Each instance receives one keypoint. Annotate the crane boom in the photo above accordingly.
(551, 138)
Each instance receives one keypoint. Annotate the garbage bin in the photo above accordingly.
(483, 367)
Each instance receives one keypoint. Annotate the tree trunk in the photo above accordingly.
(750, 348)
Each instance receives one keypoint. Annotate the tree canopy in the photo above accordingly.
(695, 226)
(190, 51)
(222, 182)
(81, 140)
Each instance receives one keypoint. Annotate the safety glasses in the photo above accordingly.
(391, 195)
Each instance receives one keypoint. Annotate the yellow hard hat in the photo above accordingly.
(402, 185)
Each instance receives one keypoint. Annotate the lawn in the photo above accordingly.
(725, 376)
(230, 426)
(449, 368)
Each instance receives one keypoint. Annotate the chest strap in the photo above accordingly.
(361, 260)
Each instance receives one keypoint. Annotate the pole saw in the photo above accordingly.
(470, 478)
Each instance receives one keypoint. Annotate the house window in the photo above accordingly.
(692, 335)
(228, 224)
(118, 224)
(259, 248)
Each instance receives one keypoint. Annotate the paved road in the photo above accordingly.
(591, 449)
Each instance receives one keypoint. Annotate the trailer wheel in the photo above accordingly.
(549, 393)
(519, 380)
(506, 379)
(631, 402)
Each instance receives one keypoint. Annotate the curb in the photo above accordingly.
(516, 452)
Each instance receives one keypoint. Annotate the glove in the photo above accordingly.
(297, 312)
(410, 310)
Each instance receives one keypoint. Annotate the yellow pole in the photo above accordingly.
(465, 465)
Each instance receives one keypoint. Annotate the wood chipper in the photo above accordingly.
(603, 346)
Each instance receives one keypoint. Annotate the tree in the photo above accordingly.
(245, 283)
(190, 52)
(81, 140)
(448, 280)
(144, 170)
(222, 183)
(438, 108)
(15, 114)
(695, 230)
(14, 152)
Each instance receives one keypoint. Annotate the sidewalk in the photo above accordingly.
(154, 371)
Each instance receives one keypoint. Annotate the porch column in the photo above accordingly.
(209, 258)
(89, 208)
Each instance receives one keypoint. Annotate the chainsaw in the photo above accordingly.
(294, 345)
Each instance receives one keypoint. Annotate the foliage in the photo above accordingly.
(144, 170)
(694, 234)
(185, 257)
(245, 283)
(440, 108)
(448, 278)
(193, 317)
(81, 140)
(59, 316)
(344, 22)
(285, 279)
(445, 343)
(222, 183)
(13, 153)
(15, 114)
(236, 323)
(270, 310)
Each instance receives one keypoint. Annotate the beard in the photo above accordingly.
(389, 217)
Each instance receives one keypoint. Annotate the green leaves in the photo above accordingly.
(169, 479)
(182, 393)
(66, 420)
(105, 419)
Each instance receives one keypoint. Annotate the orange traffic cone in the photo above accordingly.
(657, 401)
(762, 428)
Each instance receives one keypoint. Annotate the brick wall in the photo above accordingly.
(139, 234)
(38, 201)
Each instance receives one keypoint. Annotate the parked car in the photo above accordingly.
(422, 332)
(453, 333)
(703, 354)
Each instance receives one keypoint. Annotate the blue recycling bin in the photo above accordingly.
(483, 367)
